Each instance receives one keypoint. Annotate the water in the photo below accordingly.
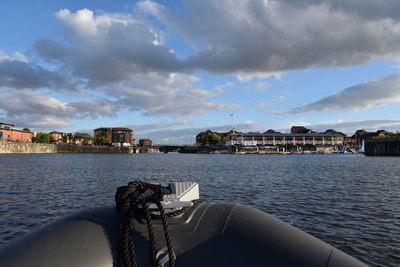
(350, 201)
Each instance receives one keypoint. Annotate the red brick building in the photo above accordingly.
(113, 136)
(145, 142)
(59, 137)
(8, 133)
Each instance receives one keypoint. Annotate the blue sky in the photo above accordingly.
(169, 69)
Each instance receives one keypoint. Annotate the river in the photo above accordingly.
(350, 201)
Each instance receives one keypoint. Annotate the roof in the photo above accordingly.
(290, 134)
(114, 128)
(6, 123)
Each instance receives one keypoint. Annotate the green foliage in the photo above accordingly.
(43, 138)
(214, 138)
(26, 130)
(103, 138)
(83, 136)
(71, 137)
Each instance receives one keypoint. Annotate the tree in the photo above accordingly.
(26, 130)
(43, 138)
(214, 138)
(70, 137)
(103, 139)
(85, 137)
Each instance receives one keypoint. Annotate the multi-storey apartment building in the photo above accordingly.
(9, 133)
(116, 136)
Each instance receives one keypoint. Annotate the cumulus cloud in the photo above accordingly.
(370, 9)
(250, 38)
(151, 94)
(17, 72)
(362, 96)
(173, 94)
(108, 48)
(266, 37)
(125, 58)
(39, 110)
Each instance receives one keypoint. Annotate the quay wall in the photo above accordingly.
(382, 147)
(94, 149)
(8, 147)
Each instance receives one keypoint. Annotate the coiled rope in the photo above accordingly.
(130, 200)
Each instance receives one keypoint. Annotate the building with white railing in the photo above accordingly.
(290, 141)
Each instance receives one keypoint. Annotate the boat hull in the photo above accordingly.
(221, 234)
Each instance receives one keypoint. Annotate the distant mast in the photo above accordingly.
(233, 122)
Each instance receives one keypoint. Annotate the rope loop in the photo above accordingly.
(128, 199)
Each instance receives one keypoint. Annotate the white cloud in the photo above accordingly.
(109, 48)
(259, 86)
(362, 96)
(261, 38)
(17, 72)
(39, 110)
(125, 57)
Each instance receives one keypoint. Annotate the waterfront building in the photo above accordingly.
(283, 142)
(361, 135)
(60, 137)
(9, 133)
(145, 142)
(116, 136)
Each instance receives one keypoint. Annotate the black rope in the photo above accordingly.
(152, 238)
(128, 198)
(167, 235)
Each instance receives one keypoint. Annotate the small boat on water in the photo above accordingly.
(347, 150)
(362, 147)
(153, 225)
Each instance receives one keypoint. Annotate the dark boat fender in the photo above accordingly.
(208, 235)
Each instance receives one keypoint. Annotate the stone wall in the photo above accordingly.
(7, 147)
(94, 149)
(382, 147)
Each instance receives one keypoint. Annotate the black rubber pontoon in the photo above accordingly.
(206, 235)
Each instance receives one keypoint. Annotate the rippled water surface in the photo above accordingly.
(349, 201)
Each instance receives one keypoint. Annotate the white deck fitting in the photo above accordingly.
(182, 195)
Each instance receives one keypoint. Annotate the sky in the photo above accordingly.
(170, 69)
